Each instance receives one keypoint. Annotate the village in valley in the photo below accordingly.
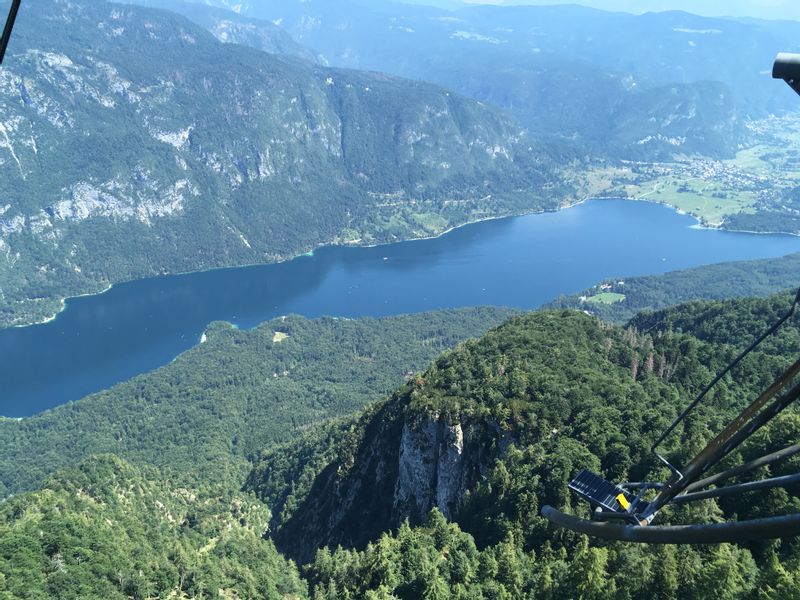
(761, 178)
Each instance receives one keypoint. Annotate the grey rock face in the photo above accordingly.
(406, 464)
(450, 475)
(431, 468)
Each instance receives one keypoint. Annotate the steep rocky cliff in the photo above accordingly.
(405, 464)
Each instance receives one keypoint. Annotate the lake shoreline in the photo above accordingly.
(524, 262)
(63, 301)
(62, 306)
(700, 225)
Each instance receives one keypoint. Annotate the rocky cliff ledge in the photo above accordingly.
(405, 464)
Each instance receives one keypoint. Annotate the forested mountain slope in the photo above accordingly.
(235, 394)
(105, 529)
(709, 282)
(496, 428)
(712, 322)
(490, 432)
(233, 28)
(117, 163)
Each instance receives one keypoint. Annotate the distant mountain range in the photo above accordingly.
(132, 143)
(613, 84)
(774, 9)
(231, 27)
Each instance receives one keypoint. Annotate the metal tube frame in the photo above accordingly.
(715, 533)
(739, 488)
(738, 430)
(717, 378)
(765, 460)
(12, 17)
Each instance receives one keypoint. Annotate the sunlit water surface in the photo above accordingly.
(523, 262)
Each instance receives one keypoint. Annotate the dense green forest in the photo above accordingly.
(106, 530)
(537, 399)
(764, 222)
(236, 393)
(435, 491)
(708, 282)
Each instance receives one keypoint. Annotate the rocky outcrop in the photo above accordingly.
(406, 463)
(431, 470)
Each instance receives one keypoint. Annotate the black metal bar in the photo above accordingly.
(12, 17)
(734, 434)
(748, 466)
(787, 67)
(740, 488)
(716, 533)
(719, 376)
(600, 515)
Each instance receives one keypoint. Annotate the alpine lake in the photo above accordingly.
(524, 262)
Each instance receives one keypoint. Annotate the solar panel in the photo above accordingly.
(598, 491)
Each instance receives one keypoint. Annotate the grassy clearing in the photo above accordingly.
(777, 162)
(430, 223)
(279, 337)
(752, 159)
(606, 298)
(710, 202)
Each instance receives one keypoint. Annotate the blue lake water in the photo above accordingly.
(98, 341)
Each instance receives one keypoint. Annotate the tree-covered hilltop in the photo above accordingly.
(235, 394)
(712, 322)
(567, 389)
(495, 429)
(105, 529)
(118, 164)
(435, 491)
(632, 295)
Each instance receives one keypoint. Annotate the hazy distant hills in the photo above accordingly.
(571, 72)
(132, 142)
(234, 28)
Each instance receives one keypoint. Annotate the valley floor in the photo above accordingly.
(755, 191)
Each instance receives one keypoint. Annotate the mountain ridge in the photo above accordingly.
(529, 388)
(539, 61)
(122, 165)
